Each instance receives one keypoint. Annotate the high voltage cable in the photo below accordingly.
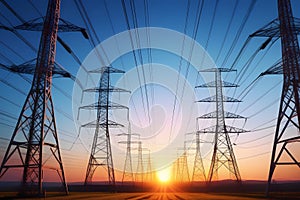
(119, 52)
(227, 30)
(255, 155)
(9, 115)
(253, 146)
(194, 35)
(256, 139)
(238, 34)
(260, 60)
(205, 47)
(149, 50)
(8, 100)
(135, 24)
(133, 51)
(180, 65)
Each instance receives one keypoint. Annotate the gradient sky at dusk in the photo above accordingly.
(260, 105)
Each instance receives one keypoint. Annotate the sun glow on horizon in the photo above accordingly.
(164, 175)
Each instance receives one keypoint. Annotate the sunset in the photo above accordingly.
(150, 99)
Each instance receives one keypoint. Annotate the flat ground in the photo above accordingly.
(157, 196)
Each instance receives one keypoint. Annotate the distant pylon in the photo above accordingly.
(174, 171)
(223, 154)
(183, 174)
(35, 132)
(101, 154)
(149, 173)
(198, 169)
(177, 171)
(128, 172)
(139, 176)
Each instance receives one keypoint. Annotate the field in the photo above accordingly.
(219, 190)
(157, 196)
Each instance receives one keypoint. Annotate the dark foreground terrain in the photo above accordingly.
(219, 190)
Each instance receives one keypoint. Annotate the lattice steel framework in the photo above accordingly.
(35, 132)
(139, 175)
(128, 170)
(290, 102)
(287, 28)
(149, 176)
(182, 174)
(198, 169)
(101, 153)
(223, 154)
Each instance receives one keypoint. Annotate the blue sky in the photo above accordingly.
(169, 14)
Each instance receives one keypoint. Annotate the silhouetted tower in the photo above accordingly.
(289, 109)
(35, 132)
(198, 169)
(174, 170)
(128, 172)
(223, 155)
(139, 176)
(182, 166)
(101, 154)
(290, 101)
(149, 173)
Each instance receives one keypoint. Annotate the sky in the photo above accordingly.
(170, 71)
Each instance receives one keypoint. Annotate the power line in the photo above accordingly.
(238, 34)
(227, 30)
(194, 35)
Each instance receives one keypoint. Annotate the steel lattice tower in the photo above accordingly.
(198, 169)
(139, 176)
(223, 154)
(286, 28)
(182, 166)
(35, 131)
(101, 154)
(149, 174)
(128, 172)
(290, 101)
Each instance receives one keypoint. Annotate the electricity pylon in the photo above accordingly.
(128, 172)
(101, 154)
(183, 174)
(139, 176)
(290, 97)
(198, 169)
(223, 154)
(149, 173)
(286, 27)
(174, 170)
(35, 132)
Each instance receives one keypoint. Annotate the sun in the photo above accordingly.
(163, 175)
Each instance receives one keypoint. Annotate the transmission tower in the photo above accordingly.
(286, 27)
(35, 132)
(101, 154)
(128, 172)
(290, 98)
(149, 173)
(139, 176)
(182, 166)
(174, 170)
(198, 169)
(223, 154)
